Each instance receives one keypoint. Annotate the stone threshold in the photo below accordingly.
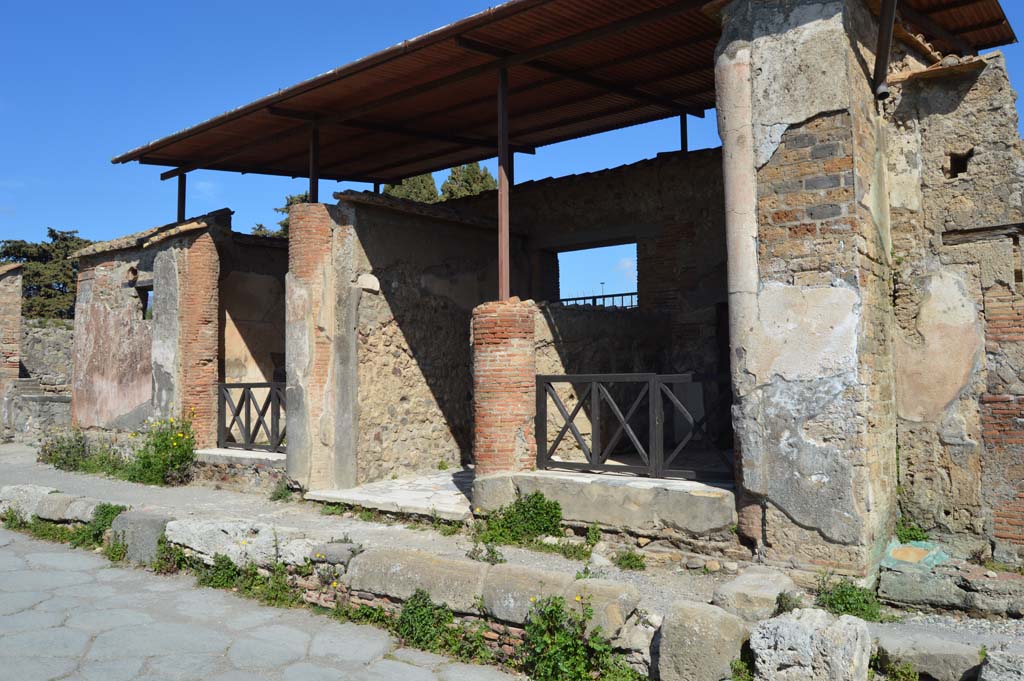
(444, 495)
(241, 457)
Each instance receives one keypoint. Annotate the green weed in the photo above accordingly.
(843, 597)
(522, 521)
(908, 531)
(281, 491)
(787, 602)
(629, 560)
(170, 558)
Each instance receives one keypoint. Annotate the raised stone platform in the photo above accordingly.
(443, 494)
(241, 457)
(245, 471)
(632, 504)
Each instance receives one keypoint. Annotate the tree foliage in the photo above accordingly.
(467, 180)
(48, 277)
(282, 232)
(420, 188)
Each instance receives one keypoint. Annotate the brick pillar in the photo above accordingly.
(320, 311)
(10, 332)
(504, 386)
(199, 337)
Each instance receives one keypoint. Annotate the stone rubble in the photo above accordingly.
(811, 645)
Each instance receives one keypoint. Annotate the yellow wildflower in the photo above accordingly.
(170, 420)
(334, 585)
(578, 599)
(533, 599)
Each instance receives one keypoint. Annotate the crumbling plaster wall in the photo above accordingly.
(808, 280)
(46, 353)
(958, 306)
(10, 340)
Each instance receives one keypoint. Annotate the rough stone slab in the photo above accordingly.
(242, 541)
(915, 587)
(639, 504)
(438, 494)
(241, 457)
(510, 591)
(613, 602)
(752, 595)
(81, 509)
(24, 499)
(140, 531)
(940, 658)
(1003, 665)
(491, 492)
(699, 641)
(398, 573)
(811, 645)
(54, 506)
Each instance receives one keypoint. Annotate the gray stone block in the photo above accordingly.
(510, 591)
(919, 587)
(752, 595)
(24, 499)
(1003, 665)
(81, 509)
(54, 506)
(941, 659)
(139, 531)
(242, 541)
(493, 491)
(612, 602)
(699, 641)
(811, 645)
(398, 573)
(335, 553)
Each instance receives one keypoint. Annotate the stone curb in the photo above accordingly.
(47, 503)
(140, 532)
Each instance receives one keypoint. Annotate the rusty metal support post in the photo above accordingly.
(504, 168)
(684, 134)
(376, 187)
(886, 26)
(181, 197)
(314, 162)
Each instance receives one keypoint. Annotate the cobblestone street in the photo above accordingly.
(69, 614)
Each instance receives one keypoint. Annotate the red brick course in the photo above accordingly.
(504, 386)
(200, 337)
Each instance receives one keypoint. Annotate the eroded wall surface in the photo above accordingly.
(808, 281)
(417, 280)
(10, 339)
(46, 353)
(957, 179)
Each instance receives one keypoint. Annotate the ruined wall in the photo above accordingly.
(672, 206)
(808, 281)
(417, 279)
(10, 338)
(46, 353)
(252, 309)
(112, 382)
(957, 176)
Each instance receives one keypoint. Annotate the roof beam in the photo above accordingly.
(523, 57)
(575, 75)
(923, 21)
(233, 152)
(952, 6)
(393, 128)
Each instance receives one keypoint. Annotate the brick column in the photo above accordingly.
(320, 349)
(199, 337)
(504, 386)
(10, 331)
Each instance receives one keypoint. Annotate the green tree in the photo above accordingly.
(420, 188)
(262, 230)
(49, 279)
(467, 180)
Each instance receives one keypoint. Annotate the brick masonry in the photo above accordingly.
(504, 388)
(10, 325)
(200, 337)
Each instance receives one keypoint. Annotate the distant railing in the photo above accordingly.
(251, 416)
(624, 301)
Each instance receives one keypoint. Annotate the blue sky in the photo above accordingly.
(83, 82)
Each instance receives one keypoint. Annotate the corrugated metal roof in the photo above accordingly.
(429, 103)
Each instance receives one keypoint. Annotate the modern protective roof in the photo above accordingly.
(576, 67)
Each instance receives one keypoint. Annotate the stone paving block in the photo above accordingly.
(510, 591)
(140, 531)
(752, 595)
(699, 641)
(81, 509)
(1003, 665)
(811, 645)
(400, 572)
(242, 541)
(491, 492)
(24, 499)
(335, 553)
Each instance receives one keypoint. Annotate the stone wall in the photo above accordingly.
(417, 280)
(46, 353)
(10, 337)
(956, 187)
